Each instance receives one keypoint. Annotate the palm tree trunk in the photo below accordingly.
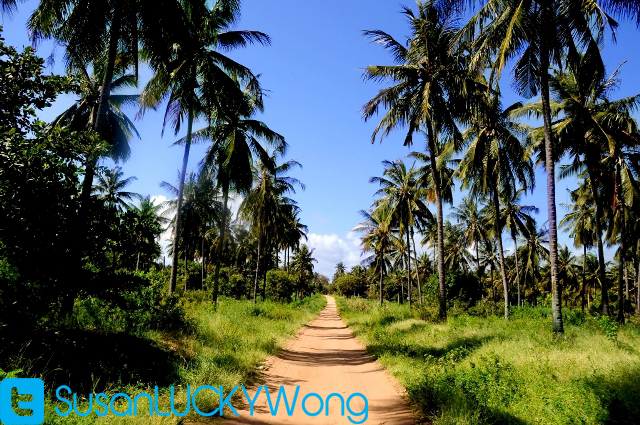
(503, 270)
(223, 228)
(409, 266)
(623, 247)
(556, 307)
(255, 283)
(638, 290)
(626, 280)
(203, 266)
(381, 278)
(584, 273)
(440, 218)
(594, 179)
(103, 102)
(176, 236)
(138, 262)
(477, 262)
(515, 242)
(417, 266)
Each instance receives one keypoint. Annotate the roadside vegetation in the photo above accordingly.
(476, 368)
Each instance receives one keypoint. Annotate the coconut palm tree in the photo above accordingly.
(379, 236)
(108, 33)
(534, 250)
(198, 80)
(515, 217)
(537, 34)
(82, 114)
(236, 139)
(400, 189)
(263, 204)
(429, 93)
(303, 268)
(587, 126)
(201, 208)
(111, 187)
(149, 223)
(495, 161)
(468, 215)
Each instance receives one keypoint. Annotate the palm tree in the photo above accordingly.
(580, 222)
(537, 33)
(303, 267)
(468, 215)
(111, 187)
(378, 237)
(427, 95)
(101, 31)
(118, 129)
(148, 224)
(587, 127)
(400, 189)
(200, 210)
(455, 245)
(495, 161)
(263, 204)
(236, 140)
(199, 80)
(515, 217)
(534, 250)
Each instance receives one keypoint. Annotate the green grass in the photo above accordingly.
(476, 370)
(225, 348)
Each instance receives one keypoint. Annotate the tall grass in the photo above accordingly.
(225, 348)
(477, 370)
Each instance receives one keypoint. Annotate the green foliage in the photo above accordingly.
(349, 285)
(484, 370)
(280, 285)
(464, 287)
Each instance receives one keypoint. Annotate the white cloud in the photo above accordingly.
(165, 237)
(332, 249)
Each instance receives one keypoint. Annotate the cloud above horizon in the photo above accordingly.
(332, 249)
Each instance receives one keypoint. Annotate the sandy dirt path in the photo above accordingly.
(325, 358)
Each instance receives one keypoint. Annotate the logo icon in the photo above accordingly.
(26, 386)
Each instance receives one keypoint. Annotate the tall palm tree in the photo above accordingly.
(537, 33)
(200, 209)
(378, 237)
(534, 250)
(495, 161)
(101, 31)
(148, 224)
(400, 189)
(468, 215)
(580, 222)
(587, 126)
(198, 80)
(303, 267)
(111, 187)
(264, 202)
(430, 84)
(82, 114)
(515, 217)
(236, 138)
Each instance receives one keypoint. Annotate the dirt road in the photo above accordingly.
(325, 358)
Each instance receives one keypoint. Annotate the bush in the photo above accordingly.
(280, 285)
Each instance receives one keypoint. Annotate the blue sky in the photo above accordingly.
(313, 73)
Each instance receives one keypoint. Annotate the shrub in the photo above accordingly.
(280, 285)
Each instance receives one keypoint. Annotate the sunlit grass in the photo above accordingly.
(228, 345)
(476, 370)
